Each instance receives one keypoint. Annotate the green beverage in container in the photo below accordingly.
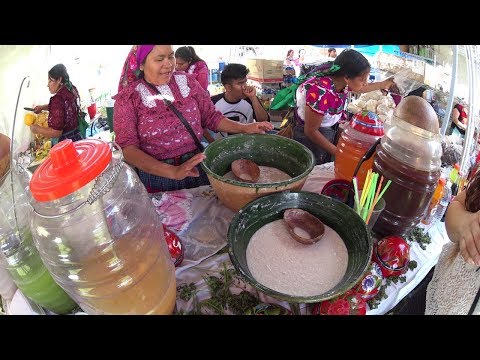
(32, 277)
(18, 254)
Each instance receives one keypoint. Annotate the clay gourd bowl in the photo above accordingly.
(304, 227)
(246, 170)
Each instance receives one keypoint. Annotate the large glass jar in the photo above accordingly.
(18, 255)
(98, 233)
(410, 156)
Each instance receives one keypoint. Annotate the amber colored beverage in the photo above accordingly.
(408, 196)
(122, 280)
(347, 157)
(359, 136)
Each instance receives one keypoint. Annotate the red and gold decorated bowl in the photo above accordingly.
(371, 282)
(349, 303)
(392, 254)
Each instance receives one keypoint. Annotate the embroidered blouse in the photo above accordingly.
(142, 119)
(63, 111)
(200, 70)
(320, 95)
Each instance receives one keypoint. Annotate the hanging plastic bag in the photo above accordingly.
(285, 98)
(82, 124)
(404, 80)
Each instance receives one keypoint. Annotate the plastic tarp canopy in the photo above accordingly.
(367, 49)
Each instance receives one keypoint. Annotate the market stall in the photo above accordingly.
(201, 218)
(189, 213)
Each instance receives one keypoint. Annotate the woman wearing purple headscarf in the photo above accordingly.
(152, 136)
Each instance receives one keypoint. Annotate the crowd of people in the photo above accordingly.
(159, 118)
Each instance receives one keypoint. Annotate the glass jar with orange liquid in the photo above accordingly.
(98, 233)
(363, 131)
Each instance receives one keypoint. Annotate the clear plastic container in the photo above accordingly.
(18, 255)
(358, 137)
(410, 157)
(432, 208)
(412, 145)
(444, 202)
(7, 286)
(98, 233)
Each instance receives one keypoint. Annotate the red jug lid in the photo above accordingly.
(367, 122)
(69, 166)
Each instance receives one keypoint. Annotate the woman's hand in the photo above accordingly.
(188, 167)
(388, 83)
(34, 128)
(470, 237)
(38, 109)
(257, 127)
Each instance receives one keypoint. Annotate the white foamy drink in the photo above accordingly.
(279, 262)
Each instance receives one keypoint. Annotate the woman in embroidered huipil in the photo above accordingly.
(321, 101)
(63, 107)
(152, 137)
(187, 60)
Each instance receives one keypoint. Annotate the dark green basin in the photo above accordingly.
(345, 221)
(268, 150)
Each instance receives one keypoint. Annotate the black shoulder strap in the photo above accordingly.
(180, 116)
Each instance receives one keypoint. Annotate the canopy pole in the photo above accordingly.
(469, 132)
(448, 111)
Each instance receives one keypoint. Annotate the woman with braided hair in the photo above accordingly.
(63, 108)
(320, 100)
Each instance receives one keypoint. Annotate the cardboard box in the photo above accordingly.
(265, 69)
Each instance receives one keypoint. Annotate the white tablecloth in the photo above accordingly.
(193, 271)
(204, 235)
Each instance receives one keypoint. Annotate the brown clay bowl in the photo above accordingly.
(265, 150)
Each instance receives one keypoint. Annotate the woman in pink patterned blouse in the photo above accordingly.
(321, 101)
(188, 61)
(63, 107)
(153, 138)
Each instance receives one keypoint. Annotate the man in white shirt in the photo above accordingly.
(239, 102)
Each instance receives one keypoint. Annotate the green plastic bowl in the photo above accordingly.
(268, 150)
(340, 217)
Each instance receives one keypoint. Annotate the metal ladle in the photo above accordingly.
(303, 226)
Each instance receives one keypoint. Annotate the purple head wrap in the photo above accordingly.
(142, 52)
(131, 68)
